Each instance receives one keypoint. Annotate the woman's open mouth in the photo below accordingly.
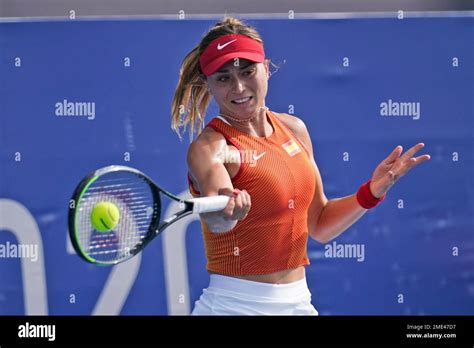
(241, 101)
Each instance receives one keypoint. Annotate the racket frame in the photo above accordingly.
(156, 226)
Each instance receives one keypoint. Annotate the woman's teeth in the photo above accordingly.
(241, 101)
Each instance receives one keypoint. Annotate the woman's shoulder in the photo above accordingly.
(294, 123)
(209, 136)
(209, 141)
(297, 126)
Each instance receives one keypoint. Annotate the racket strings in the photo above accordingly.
(135, 201)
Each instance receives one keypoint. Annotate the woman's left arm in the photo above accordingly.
(327, 219)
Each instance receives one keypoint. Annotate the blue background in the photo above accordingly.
(408, 251)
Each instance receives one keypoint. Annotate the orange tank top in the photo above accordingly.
(277, 173)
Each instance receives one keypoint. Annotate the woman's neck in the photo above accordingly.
(256, 126)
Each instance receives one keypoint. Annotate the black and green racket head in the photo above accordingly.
(138, 202)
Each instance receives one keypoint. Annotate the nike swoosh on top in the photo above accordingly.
(256, 158)
(219, 46)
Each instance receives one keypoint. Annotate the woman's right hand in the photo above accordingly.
(238, 206)
(236, 209)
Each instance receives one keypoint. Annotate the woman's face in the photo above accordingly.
(240, 87)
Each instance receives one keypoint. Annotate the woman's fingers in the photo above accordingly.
(395, 166)
(246, 203)
(414, 149)
(248, 199)
(418, 160)
(229, 209)
(238, 206)
(407, 162)
(394, 155)
(239, 203)
(242, 205)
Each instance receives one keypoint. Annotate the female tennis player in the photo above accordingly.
(256, 247)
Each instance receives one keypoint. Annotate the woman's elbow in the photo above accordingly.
(317, 235)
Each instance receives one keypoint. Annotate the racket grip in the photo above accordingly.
(209, 204)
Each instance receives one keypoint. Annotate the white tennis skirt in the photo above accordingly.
(233, 296)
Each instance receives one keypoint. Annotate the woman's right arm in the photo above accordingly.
(206, 167)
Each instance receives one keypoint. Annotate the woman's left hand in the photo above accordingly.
(394, 167)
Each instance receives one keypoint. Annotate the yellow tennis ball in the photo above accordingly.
(105, 216)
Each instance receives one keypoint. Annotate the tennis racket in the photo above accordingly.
(138, 200)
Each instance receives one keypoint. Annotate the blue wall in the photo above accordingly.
(418, 244)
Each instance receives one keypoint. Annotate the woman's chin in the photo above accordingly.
(246, 111)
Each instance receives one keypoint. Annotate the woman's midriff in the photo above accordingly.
(281, 277)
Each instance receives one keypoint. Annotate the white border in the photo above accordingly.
(251, 16)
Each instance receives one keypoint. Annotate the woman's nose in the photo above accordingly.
(238, 86)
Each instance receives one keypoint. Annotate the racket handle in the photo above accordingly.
(209, 204)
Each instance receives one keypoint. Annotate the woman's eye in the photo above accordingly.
(246, 73)
(249, 72)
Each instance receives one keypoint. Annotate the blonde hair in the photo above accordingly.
(191, 97)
